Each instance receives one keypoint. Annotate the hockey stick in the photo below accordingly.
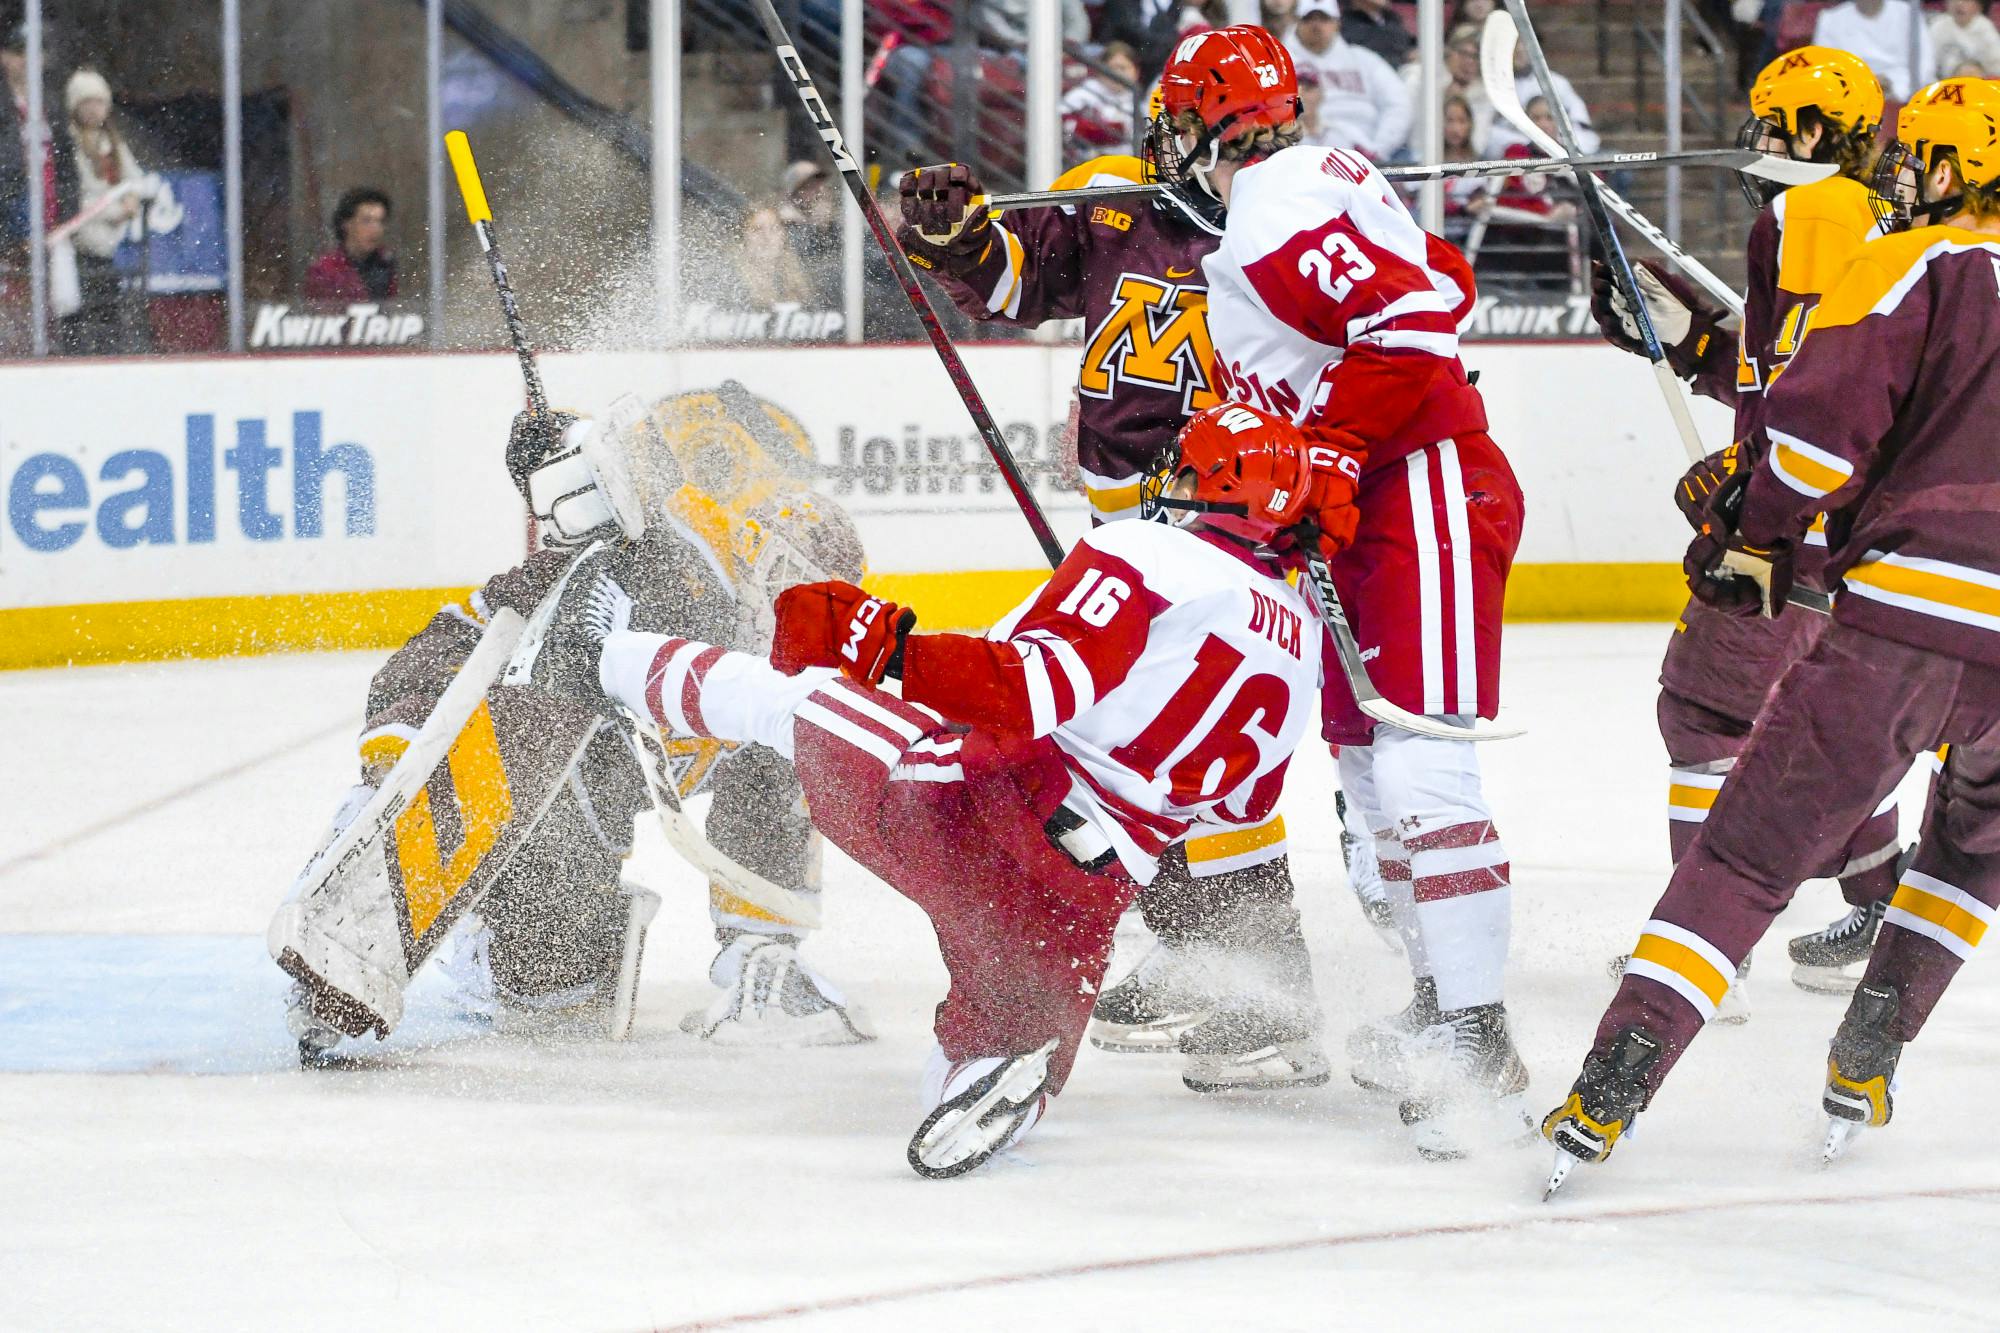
(1600, 220)
(1366, 697)
(1746, 160)
(906, 277)
(1496, 61)
(1496, 70)
(481, 215)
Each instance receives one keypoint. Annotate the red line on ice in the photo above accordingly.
(867, 1299)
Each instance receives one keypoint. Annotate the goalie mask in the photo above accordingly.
(1241, 471)
(1220, 89)
(730, 443)
(1811, 86)
(1955, 121)
(787, 540)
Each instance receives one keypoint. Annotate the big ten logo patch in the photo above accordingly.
(1155, 336)
(1111, 217)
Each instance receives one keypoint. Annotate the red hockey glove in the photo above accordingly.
(1699, 484)
(945, 222)
(835, 624)
(1336, 479)
(1684, 323)
(1727, 573)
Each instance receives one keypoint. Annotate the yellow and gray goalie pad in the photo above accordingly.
(467, 791)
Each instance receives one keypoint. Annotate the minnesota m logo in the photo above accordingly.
(1156, 335)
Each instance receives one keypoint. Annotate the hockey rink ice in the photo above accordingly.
(164, 1165)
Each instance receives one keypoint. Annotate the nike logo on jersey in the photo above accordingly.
(1173, 272)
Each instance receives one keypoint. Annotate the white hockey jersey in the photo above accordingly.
(1175, 674)
(1320, 261)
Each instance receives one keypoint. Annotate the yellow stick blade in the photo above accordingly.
(460, 149)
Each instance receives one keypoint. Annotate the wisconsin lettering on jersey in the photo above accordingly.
(1154, 336)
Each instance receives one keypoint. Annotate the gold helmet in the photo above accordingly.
(1807, 86)
(730, 443)
(1955, 117)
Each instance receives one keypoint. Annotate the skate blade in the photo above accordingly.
(1155, 1038)
(1823, 980)
(829, 1027)
(955, 1139)
(1840, 1136)
(1450, 1133)
(1558, 1172)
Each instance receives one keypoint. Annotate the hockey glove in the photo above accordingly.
(1336, 480)
(945, 222)
(1699, 485)
(836, 624)
(1727, 573)
(1682, 321)
(533, 437)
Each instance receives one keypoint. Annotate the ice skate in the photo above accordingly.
(1151, 1008)
(1364, 876)
(1467, 1086)
(979, 1108)
(1245, 1050)
(316, 1039)
(1829, 960)
(1379, 1051)
(1603, 1102)
(770, 997)
(1861, 1069)
(1735, 1007)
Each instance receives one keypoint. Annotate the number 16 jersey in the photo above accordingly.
(1175, 673)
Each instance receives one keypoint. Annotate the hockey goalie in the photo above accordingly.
(492, 820)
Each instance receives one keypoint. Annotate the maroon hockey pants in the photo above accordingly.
(1839, 733)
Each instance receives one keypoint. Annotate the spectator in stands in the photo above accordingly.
(1879, 31)
(1003, 24)
(109, 190)
(1149, 27)
(1464, 196)
(1374, 26)
(1366, 106)
(1963, 36)
(766, 271)
(1473, 12)
(1279, 17)
(1097, 113)
(14, 141)
(809, 211)
(1461, 80)
(360, 267)
(1504, 136)
(1312, 129)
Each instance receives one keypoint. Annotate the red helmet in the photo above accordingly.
(1252, 472)
(1235, 80)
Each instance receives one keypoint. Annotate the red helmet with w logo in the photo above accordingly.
(1251, 473)
(1235, 80)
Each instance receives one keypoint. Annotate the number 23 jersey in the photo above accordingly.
(1175, 673)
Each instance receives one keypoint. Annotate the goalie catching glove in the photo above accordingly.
(836, 624)
(945, 222)
(1685, 324)
(1729, 574)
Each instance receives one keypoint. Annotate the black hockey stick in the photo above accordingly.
(481, 214)
(864, 198)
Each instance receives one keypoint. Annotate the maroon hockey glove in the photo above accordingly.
(1700, 484)
(836, 624)
(943, 226)
(1729, 574)
(1336, 480)
(1684, 323)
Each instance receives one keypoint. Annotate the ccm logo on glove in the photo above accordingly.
(836, 624)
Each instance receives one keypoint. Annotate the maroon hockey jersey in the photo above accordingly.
(1131, 270)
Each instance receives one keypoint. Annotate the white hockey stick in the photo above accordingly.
(1496, 69)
